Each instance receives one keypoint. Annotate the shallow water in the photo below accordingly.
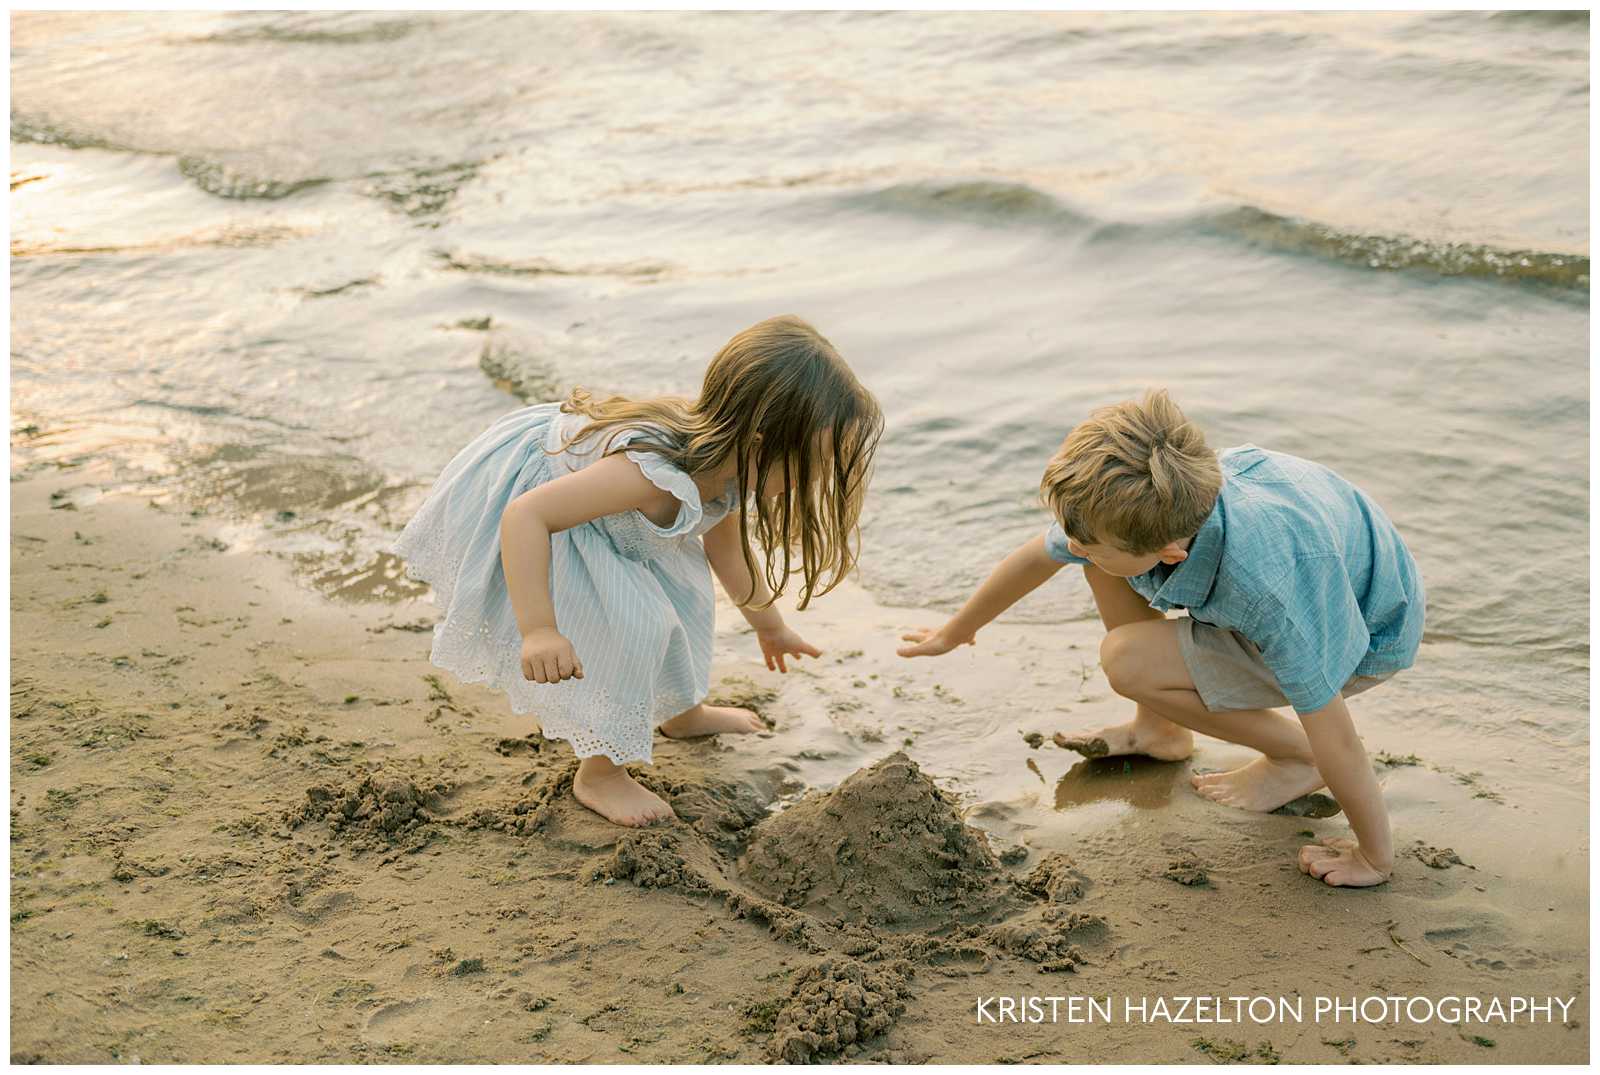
(269, 255)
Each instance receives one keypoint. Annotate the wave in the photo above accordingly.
(1399, 253)
(984, 200)
(475, 263)
(514, 365)
(34, 131)
(225, 181)
(233, 235)
(312, 32)
(422, 194)
(212, 177)
(1553, 18)
(1002, 203)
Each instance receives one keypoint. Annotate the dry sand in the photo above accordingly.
(251, 824)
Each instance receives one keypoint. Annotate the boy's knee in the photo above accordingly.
(1120, 660)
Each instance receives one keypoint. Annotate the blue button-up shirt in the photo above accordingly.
(1301, 563)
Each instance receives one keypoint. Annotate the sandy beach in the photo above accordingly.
(250, 823)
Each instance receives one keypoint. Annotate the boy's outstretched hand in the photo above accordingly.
(931, 643)
(1338, 861)
(780, 642)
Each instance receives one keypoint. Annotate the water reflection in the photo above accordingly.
(1138, 781)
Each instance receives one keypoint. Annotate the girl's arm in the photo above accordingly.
(745, 588)
(725, 553)
(1018, 575)
(606, 487)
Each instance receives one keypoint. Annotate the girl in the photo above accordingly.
(569, 546)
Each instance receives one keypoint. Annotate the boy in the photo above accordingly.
(1299, 592)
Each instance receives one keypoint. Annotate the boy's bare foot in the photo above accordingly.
(1340, 861)
(1263, 785)
(615, 795)
(711, 720)
(1162, 740)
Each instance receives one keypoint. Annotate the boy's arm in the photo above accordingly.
(1018, 575)
(1311, 635)
(1342, 761)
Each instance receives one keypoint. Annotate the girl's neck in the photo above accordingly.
(713, 483)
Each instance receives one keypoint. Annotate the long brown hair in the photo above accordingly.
(769, 395)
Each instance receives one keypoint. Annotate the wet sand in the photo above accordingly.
(251, 823)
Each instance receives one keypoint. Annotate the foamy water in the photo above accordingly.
(289, 260)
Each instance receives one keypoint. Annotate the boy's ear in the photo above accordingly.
(1174, 553)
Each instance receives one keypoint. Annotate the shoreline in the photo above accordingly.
(182, 711)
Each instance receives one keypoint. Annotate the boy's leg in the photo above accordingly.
(1148, 733)
(1143, 662)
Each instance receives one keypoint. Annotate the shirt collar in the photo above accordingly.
(1189, 585)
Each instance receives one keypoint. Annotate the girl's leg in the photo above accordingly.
(1149, 733)
(1143, 662)
(607, 788)
(711, 720)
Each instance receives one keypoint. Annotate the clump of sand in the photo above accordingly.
(530, 812)
(379, 809)
(652, 860)
(1187, 869)
(885, 847)
(837, 1005)
(1051, 938)
(1056, 879)
(1438, 858)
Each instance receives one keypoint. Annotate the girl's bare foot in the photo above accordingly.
(610, 791)
(1263, 785)
(1157, 738)
(711, 720)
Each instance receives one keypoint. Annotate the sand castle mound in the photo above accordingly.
(885, 847)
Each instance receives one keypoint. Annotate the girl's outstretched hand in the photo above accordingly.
(931, 643)
(547, 657)
(781, 641)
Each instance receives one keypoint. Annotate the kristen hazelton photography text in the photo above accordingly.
(688, 537)
(1197, 1011)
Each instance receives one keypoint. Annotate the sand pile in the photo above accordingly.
(835, 1007)
(382, 808)
(886, 847)
(876, 877)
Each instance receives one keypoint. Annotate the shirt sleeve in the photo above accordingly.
(1310, 631)
(1055, 546)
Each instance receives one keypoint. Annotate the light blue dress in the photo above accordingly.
(633, 598)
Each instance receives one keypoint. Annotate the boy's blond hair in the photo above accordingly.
(1136, 475)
